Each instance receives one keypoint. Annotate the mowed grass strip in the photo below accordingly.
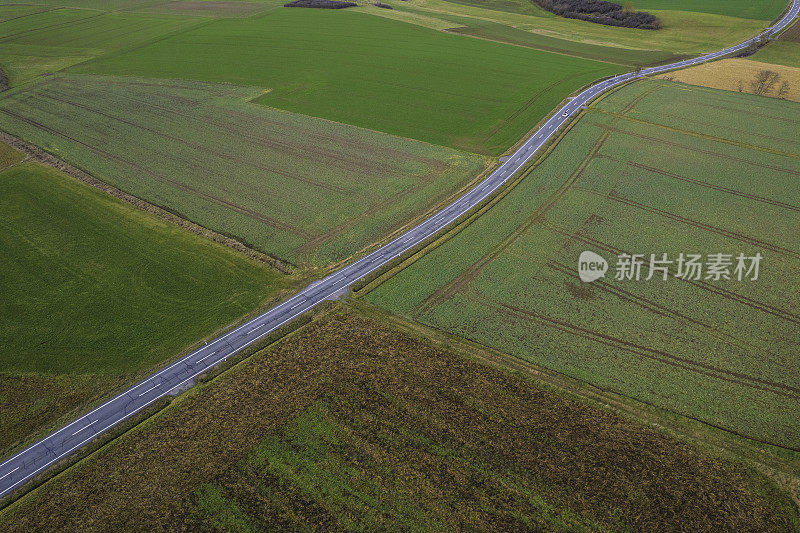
(351, 425)
(306, 190)
(656, 167)
(372, 72)
(684, 32)
(748, 9)
(506, 33)
(94, 291)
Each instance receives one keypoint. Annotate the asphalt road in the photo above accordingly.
(31, 461)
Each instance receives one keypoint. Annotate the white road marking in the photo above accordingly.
(84, 427)
(9, 473)
(205, 357)
(148, 390)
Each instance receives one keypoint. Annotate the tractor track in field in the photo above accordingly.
(743, 131)
(701, 183)
(751, 112)
(460, 282)
(617, 197)
(704, 136)
(463, 280)
(260, 217)
(656, 308)
(659, 140)
(684, 363)
(720, 291)
(311, 148)
(313, 241)
(196, 146)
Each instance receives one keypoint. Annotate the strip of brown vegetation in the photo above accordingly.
(40, 156)
(792, 34)
(464, 442)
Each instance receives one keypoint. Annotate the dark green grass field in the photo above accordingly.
(300, 188)
(372, 72)
(656, 167)
(93, 290)
(48, 39)
(350, 425)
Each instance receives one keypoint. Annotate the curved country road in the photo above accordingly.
(31, 461)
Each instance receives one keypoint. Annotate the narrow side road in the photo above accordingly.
(24, 465)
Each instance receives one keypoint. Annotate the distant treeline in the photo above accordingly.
(322, 4)
(601, 12)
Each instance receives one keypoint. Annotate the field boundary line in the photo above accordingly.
(38, 155)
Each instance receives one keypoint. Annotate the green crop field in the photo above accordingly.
(303, 189)
(372, 72)
(656, 167)
(93, 290)
(780, 53)
(44, 39)
(350, 425)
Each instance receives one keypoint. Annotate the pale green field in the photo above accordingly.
(656, 167)
(302, 189)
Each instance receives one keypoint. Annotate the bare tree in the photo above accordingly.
(783, 90)
(764, 81)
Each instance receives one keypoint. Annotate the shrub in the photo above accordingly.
(601, 12)
(321, 4)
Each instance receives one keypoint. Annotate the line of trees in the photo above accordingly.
(321, 4)
(601, 12)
